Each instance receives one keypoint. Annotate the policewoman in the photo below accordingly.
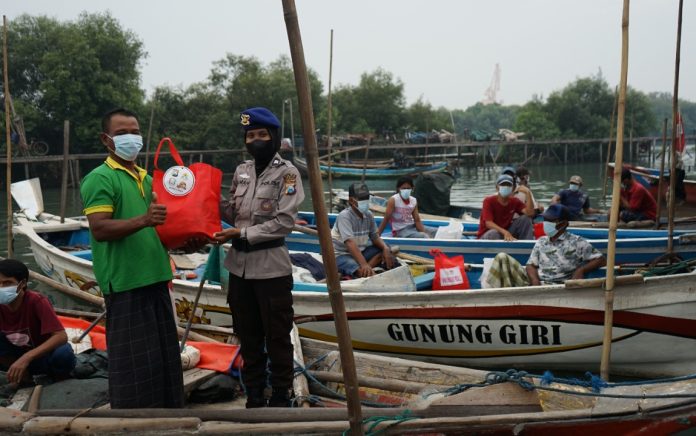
(263, 202)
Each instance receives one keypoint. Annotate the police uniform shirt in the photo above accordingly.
(265, 209)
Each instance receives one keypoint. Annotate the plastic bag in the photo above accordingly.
(192, 197)
(449, 272)
(453, 230)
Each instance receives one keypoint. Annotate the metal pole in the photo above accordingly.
(64, 181)
(312, 155)
(8, 140)
(615, 200)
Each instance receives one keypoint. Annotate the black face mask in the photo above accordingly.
(262, 151)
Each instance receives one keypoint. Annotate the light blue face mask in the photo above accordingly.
(550, 229)
(405, 193)
(505, 191)
(574, 187)
(127, 146)
(363, 206)
(8, 294)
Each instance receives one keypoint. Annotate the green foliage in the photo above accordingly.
(75, 70)
(661, 104)
(376, 105)
(535, 122)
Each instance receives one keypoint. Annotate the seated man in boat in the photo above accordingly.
(402, 213)
(637, 203)
(358, 247)
(32, 339)
(497, 214)
(560, 255)
(577, 201)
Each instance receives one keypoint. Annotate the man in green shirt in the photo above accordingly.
(133, 271)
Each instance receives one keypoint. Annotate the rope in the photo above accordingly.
(299, 369)
(374, 421)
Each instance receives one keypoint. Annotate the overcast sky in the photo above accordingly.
(444, 51)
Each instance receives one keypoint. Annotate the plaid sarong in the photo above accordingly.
(506, 272)
(143, 348)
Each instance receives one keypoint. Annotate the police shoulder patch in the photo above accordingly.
(290, 182)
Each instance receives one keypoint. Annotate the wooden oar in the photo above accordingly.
(79, 339)
(597, 282)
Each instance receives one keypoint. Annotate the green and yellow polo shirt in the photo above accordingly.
(139, 259)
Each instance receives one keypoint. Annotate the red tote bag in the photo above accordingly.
(192, 197)
(449, 272)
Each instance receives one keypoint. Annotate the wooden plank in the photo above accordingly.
(495, 399)
(12, 420)
(194, 377)
(58, 425)
(299, 382)
(20, 398)
(319, 427)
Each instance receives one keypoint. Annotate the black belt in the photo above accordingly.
(245, 246)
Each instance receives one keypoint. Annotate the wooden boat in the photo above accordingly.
(62, 252)
(351, 171)
(650, 179)
(632, 246)
(425, 398)
(532, 327)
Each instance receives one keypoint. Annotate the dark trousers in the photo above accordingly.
(57, 363)
(262, 314)
(143, 347)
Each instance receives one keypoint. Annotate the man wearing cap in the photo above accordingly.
(498, 213)
(358, 246)
(576, 200)
(637, 203)
(263, 202)
(560, 255)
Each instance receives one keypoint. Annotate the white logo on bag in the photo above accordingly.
(178, 181)
(451, 276)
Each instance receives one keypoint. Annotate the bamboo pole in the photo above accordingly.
(332, 282)
(660, 183)
(66, 162)
(8, 140)
(611, 134)
(330, 113)
(673, 148)
(615, 197)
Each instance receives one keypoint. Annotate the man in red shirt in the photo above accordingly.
(637, 203)
(498, 211)
(32, 339)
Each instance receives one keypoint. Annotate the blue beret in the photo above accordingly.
(556, 212)
(257, 117)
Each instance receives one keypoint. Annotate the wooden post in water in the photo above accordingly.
(660, 182)
(149, 136)
(611, 135)
(614, 216)
(8, 141)
(673, 148)
(329, 116)
(66, 162)
(332, 283)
